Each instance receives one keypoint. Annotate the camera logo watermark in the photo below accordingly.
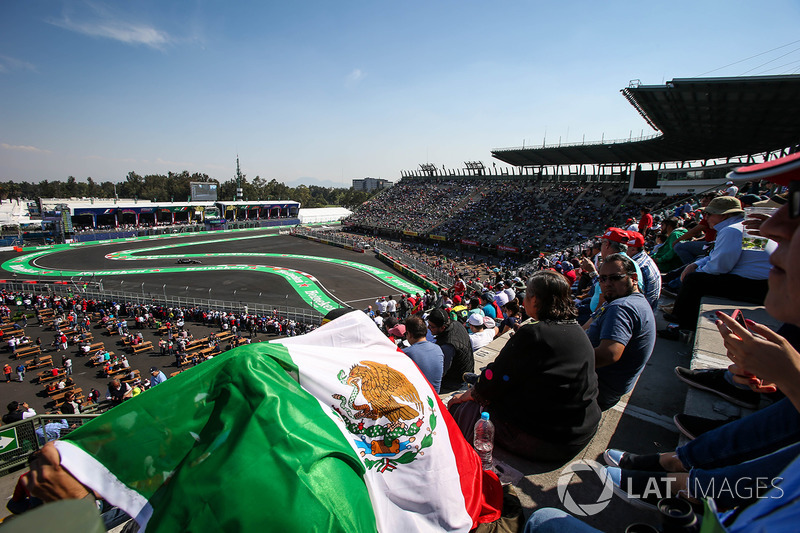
(584, 509)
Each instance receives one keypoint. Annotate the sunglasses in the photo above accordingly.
(612, 277)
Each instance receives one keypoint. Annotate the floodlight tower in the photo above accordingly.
(239, 180)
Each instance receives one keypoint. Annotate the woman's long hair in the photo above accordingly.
(553, 296)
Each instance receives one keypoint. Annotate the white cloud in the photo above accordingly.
(105, 25)
(355, 77)
(23, 148)
(9, 64)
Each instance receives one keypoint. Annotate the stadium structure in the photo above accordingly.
(704, 127)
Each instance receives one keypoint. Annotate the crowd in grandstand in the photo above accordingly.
(551, 380)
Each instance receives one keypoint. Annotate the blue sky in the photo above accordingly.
(323, 92)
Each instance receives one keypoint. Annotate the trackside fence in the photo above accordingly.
(307, 316)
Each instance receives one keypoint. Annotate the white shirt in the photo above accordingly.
(381, 305)
(391, 306)
(481, 338)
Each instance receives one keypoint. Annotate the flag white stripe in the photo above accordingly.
(94, 474)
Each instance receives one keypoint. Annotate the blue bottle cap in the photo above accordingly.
(484, 416)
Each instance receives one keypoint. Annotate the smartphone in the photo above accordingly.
(738, 316)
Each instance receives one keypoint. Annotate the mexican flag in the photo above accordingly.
(335, 430)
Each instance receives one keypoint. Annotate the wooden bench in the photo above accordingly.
(101, 363)
(130, 381)
(224, 336)
(143, 347)
(97, 346)
(176, 373)
(14, 332)
(46, 376)
(47, 360)
(59, 392)
(78, 396)
(118, 373)
(27, 351)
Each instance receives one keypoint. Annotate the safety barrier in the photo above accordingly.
(20, 440)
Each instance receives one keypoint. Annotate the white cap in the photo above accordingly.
(475, 320)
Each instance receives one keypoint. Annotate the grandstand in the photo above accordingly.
(561, 195)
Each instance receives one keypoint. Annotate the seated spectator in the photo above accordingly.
(648, 267)
(666, 258)
(117, 392)
(512, 319)
(728, 271)
(453, 339)
(541, 389)
(427, 355)
(480, 335)
(622, 330)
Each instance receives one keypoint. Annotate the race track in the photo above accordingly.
(258, 266)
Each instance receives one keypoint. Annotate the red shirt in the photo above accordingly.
(646, 222)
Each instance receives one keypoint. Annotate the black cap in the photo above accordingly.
(153, 369)
(333, 314)
(438, 317)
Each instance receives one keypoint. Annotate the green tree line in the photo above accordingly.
(174, 187)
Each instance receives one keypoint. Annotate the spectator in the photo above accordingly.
(648, 267)
(18, 411)
(427, 355)
(666, 258)
(645, 222)
(480, 335)
(622, 330)
(727, 271)
(453, 339)
(541, 389)
(158, 376)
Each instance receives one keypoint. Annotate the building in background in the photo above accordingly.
(371, 184)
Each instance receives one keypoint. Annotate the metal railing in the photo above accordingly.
(434, 273)
(306, 316)
(20, 440)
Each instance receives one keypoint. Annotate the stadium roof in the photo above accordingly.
(697, 119)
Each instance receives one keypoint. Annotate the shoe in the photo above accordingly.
(669, 317)
(692, 426)
(655, 485)
(632, 461)
(666, 291)
(713, 380)
(470, 378)
(671, 334)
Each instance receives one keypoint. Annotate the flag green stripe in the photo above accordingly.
(245, 444)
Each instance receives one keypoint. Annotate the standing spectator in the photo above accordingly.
(391, 306)
(21, 372)
(7, 371)
(645, 222)
(68, 366)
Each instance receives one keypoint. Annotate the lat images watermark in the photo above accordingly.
(584, 509)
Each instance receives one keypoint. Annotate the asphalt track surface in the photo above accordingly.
(243, 274)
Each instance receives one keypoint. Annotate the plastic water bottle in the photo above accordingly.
(483, 441)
